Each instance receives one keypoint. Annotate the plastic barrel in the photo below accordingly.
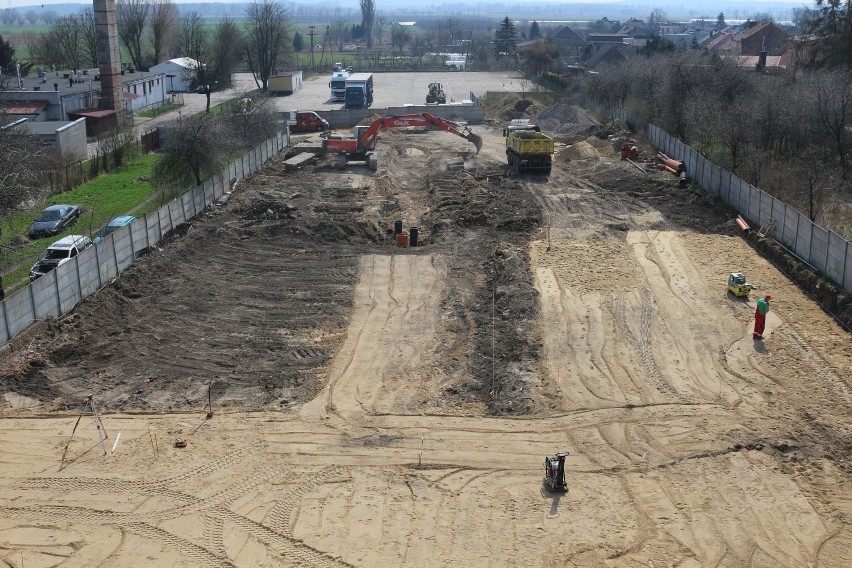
(402, 239)
(397, 227)
(413, 236)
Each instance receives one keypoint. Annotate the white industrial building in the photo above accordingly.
(178, 73)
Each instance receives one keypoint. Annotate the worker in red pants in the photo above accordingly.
(760, 316)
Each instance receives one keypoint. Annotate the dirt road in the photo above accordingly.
(405, 398)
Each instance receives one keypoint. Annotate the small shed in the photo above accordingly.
(178, 73)
(284, 83)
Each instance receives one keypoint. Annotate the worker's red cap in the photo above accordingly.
(768, 297)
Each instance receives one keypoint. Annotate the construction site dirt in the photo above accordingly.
(374, 405)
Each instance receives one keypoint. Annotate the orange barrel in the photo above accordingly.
(414, 235)
(402, 239)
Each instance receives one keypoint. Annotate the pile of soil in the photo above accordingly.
(566, 120)
(513, 106)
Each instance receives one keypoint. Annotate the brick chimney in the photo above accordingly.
(109, 57)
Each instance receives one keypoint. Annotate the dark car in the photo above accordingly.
(53, 220)
(113, 226)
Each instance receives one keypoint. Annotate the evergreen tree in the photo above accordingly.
(298, 42)
(831, 23)
(535, 30)
(7, 56)
(505, 38)
(720, 20)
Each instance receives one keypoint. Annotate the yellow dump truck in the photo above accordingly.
(527, 149)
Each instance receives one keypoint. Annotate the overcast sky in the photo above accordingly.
(708, 5)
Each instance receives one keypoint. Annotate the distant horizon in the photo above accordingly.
(740, 9)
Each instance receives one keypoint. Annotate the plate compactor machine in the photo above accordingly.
(554, 472)
(739, 286)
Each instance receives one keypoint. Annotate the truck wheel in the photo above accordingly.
(372, 162)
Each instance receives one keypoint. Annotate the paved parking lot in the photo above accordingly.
(397, 89)
(389, 89)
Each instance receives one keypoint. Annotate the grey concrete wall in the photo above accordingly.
(824, 250)
(58, 291)
(71, 140)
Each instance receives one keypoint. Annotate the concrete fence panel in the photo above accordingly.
(765, 207)
(67, 283)
(753, 203)
(45, 297)
(778, 211)
(107, 259)
(123, 246)
(716, 178)
(819, 248)
(847, 264)
(791, 226)
(726, 192)
(822, 249)
(19, 310)
(139, 235)
(58, 291)
(90, 276)
(836, 256)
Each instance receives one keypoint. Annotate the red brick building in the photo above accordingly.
(752, 40)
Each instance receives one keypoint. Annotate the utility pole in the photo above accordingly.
(311, 34)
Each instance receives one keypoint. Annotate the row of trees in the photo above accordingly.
(755, 125)
(151, 31)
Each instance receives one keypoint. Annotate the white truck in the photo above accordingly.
(338, 84)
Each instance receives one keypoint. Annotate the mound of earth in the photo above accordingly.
(566, 120)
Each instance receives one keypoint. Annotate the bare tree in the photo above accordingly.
(831, 97)
(66, 34)
(399, 38)
(258, 123)
(368, 19)
(132, 15)
(214, 53)
(89, 35)
(197, 146)
(538, 57)
(338, 33)
(24, 165)
(267, 42)
(62, 45)
(164, 29)
(115, 143)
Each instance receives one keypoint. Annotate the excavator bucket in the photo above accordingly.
(477, 141)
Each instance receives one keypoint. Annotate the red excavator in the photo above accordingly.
(362, 146)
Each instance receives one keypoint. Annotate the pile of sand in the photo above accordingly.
(579, 151)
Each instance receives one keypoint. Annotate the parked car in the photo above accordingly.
(53, 220)
(59, 253)
(112, 226)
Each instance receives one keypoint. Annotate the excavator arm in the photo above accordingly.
(367, 139)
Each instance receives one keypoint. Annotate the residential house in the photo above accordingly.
(634, 28)
(608, 54)
(606, 38)
(721, 43)
(569, 43)
(752, 40)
